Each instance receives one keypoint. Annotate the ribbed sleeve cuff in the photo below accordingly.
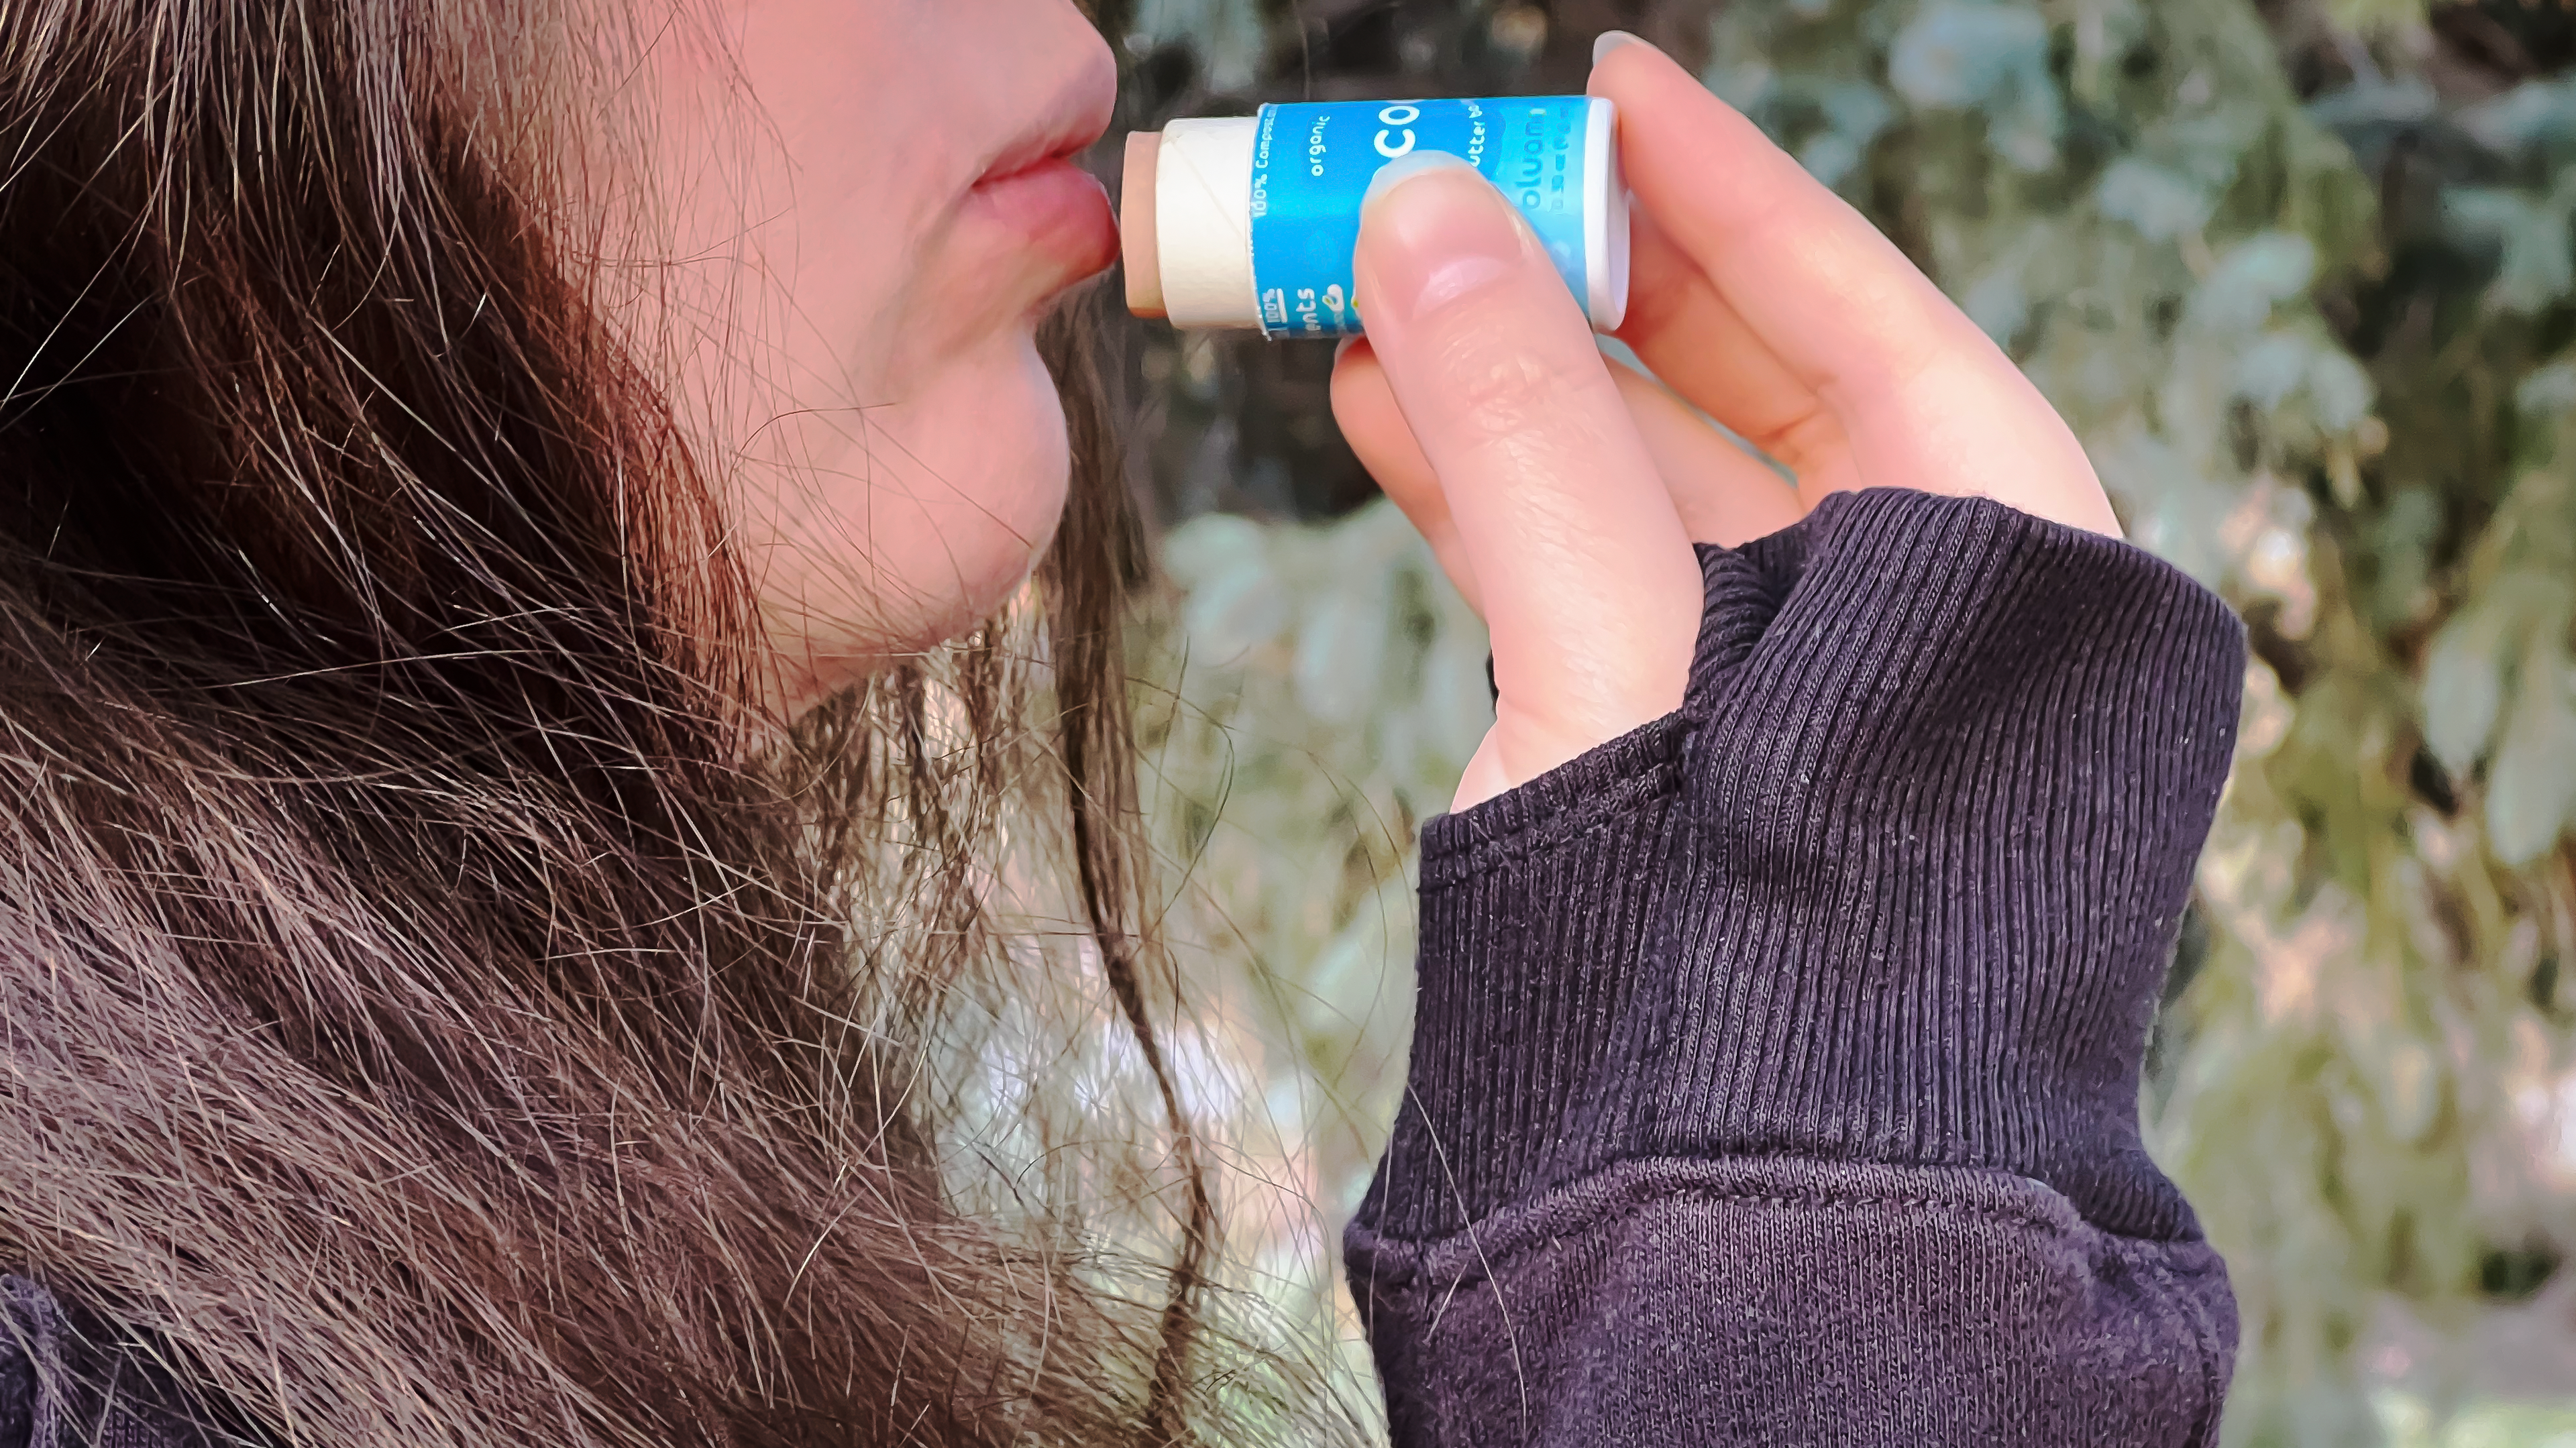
(1898, 884)
(1535, 905)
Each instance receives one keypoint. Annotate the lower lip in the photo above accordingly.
(1059, 211)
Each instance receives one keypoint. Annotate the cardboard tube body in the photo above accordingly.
(1202, 229)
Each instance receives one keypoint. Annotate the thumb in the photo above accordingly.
(1581, 563)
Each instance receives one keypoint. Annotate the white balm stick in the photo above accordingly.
(1250, 221)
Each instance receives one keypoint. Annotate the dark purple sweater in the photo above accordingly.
(1775, 1075)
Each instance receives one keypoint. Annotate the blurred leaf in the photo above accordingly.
(2535, 116)
(1226, 34)
(2158, 203)
(2538, 257)
(2274, 367)
(2341, 390)
(2254, 276)
(2402, 100)
(2548, 390)
(1341, 654)
(2531, 784)
(2464, 687)
(1961, 53)
(1236, 603)
(1998, 306)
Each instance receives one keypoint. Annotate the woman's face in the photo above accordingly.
(874, 203)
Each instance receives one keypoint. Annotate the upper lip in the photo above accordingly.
(1076, 116)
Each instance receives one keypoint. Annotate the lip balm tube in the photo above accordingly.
(1250, 221)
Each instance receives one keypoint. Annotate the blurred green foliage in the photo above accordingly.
(2302, 275)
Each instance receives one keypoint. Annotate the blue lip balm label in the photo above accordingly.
(1311, 165)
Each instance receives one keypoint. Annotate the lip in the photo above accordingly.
(1057, 210)
(1039, 214)
(1076, 117)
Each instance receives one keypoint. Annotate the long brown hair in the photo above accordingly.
(436, 1009)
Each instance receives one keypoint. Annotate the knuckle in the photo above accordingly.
(1500, 386)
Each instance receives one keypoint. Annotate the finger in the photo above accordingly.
(1587, 579)
(1916, 391)
(1364, 404)
(1723, 493)
(1699, 346)
(1484, 776)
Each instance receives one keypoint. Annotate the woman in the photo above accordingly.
(485, 476)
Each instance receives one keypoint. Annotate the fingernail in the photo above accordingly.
(1610, 40)
(1449, 234)
(1404, 168)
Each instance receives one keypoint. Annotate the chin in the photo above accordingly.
(966, 491)
(907, 542)
(1010, 440)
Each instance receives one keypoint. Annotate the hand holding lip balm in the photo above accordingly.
(1561, 491)
(1250, 221)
